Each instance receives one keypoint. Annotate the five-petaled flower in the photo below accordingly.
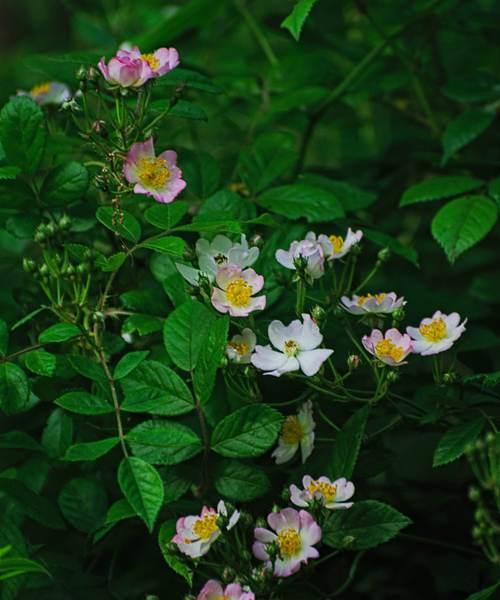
(296, 348)
(236, 287)
(335, 246)
(48, 92)
(155, 176)
(331, 495)
(239, 349)
(436, 334)
(222, 251)
(195, 534)
(308, 251)
(161, 61)
(391, 348)
(213, 590)
(291, 542)
(297, 432)
(382, 303)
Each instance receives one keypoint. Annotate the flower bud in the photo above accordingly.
(257, 240)
(384, 255)
(39, 236)
(449, 378)
(65, 222)
(82, 268)
(29, 265)
(490, 438)
(474, 494)
(476, 533)
(81, 73)
(260, 522)
(92, 74)
(43, 269)
(399, 314)
(285, 495)
(228, 575)
(318, 313)
(353, 362)
(392, 376)
(50, 229)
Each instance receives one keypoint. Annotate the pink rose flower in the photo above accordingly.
(331, 495)
(391, 348)
(125, 71)
(213, 590)
(436, 334)
(236, 287)
(161, 61)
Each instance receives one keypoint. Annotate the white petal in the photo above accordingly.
(310, 336)
(311, 360)
(267, 359)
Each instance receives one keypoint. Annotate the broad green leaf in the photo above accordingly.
(454, 442)
(173, 246)
(464, 129)
(248, 432)
(347, 445)
(210, 358)
(300, 201)
(13, 567)
(142, 487)
(185, 332)
(201, 172)
(296, 19)
(154, 388)
(386, 241)
(365, 525)
(119, 511)
(23, 132)
(14, 389)
(142, 324)
(164, 442)
(166, 216)
(128, 363)
(19, 440)
(90, 450)
(83, 502)
(166, 273)
(60, 332)
(181, 77)
(485, 594)
(111, 263)
(434, 188)
(182, 109)
(121, 222)
(41, 362)
(172, 558)
(178, 480)
(84, 403)
(241, 482)
(462, 223)
(4, 337)
(208, 225)
(7, 172)
(226, 204)
(89, 368)
(58, 433)
(350, 197)
(65, 184)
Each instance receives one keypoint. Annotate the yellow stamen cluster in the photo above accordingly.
(435, 331)
(239, 292)
(291, 348)
(337, 242)
(289, 543)
(152, 61)
(206, 526)
(41, 88)
(379, 298)
(292, 431)
(327, 490)
(239, 347)
(387, 349)
(153, 172)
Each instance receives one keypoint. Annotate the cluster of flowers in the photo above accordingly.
(288, 543)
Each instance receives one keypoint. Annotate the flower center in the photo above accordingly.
(337, 242)
(152, 61)
(379, 298)
(206, 526)
(292, 431)
(435, 331)
(220, 258)
(387, 349)
(289, 543)
(238, 292)
(291, 348)
(240, 348)
(327, 490)
(41, 88)
(153, 172)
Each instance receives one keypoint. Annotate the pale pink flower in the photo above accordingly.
(391, 348)
(155, 176)
(297, 432)
(213, 590)
(383, 303)
(335, 246)
(307, 250)
(239, 349)
(125, 71)
(331, 495)
(48, 92)
(436, 334)
(160, 61)
(236, 287)
(294, 535)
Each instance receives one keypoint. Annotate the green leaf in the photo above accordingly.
(128, 363)
(164, 442)
(454, 442)
(165, 271)
(4, 338)
(143, 324)
(58, 433)
(302, 201)
(365, 525)
(111, 263)
(352, 198)
(241, 482)
(435, 188)
(462, 223)
(185, 332)
(19, 440)
(296, 19)
(201, 172)
(248, 432)
(9, 172)
(464, 129)
(386, 241)
(14, 389)
(188, 110)
(172, 558)
(173, 246)
(90, 450)
(142, 487)
(209, 225)
(166, 216)
(41, 362)
(65, 184)
(84, 503)
(122, 223)
(13, 567)
(484, 594)
(347, 445)
(60, 332)
(181, 77)
(84, 403)
(210, 359)
(23, 133)
(119, 511)
(152, 387)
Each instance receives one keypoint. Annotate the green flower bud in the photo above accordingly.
(285, 494)
(65, 222)
(384, 255)
(490, 438)
(228, 575)
(399, 314)
(43, 269)
(50, 229)
(29, 265)
(476, 533)
(318, 313)
(353, 362)
(449, 378)
(81, 73)
(474, 494)
(82, 268)
(39, 236)
(392, 376)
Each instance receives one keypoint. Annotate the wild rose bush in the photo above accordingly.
(251, 376)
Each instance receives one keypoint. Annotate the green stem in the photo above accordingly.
(257, 32)
(301, 297)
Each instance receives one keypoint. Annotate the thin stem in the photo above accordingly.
(257, 32)
(301, 297)
(19, 352)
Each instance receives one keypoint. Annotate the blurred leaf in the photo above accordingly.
(181, 77)
(386, 241)
(240, 482)
(210, 359)
(352, 198)
(14, 389)
(7, 172)
(58, 433)
(65, 184)
(296, 19)
(4, 337)
(484, 594)
(439, 187)
(464, 129)
(83, 502)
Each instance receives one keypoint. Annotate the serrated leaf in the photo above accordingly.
(248, 432)
(60, 332)
(128, 363)
(173, 560)
(111, 263)
(83, 503)
(142, 487)
(65, 184)
(14, 389)
(296, 19)
(462, 223)
(347, 445)
(90, 450)
(210, 359)
(122, 223)
(454, 442)
(435, 188)
(84, 403)
(240, 482)
(41, 362)
(173, 246)
(464, 129)
(166, 216)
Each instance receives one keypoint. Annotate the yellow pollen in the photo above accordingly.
(379, 298)
(240, 348)
(387, 349)
(206, 526)
(292, 431)
(239, 292)
(153, 172)
(289, 543)
(337, 242)
(152, 61)
(291, 348)
(435, 331)
(327, 490)
(41, 88)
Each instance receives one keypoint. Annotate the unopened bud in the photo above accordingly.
(392, 376)
(318, 313)
(257, 240)
(65, 222)
(474, 494)
(43, 269)
(228, 575)
(285, 495)
(399, 314)
(384, 255)
(50, 229)
(476, 533)
(29, 265)
(449, 378)
(81, 73)
(353, 362)
(39, 236)
(490, 438)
